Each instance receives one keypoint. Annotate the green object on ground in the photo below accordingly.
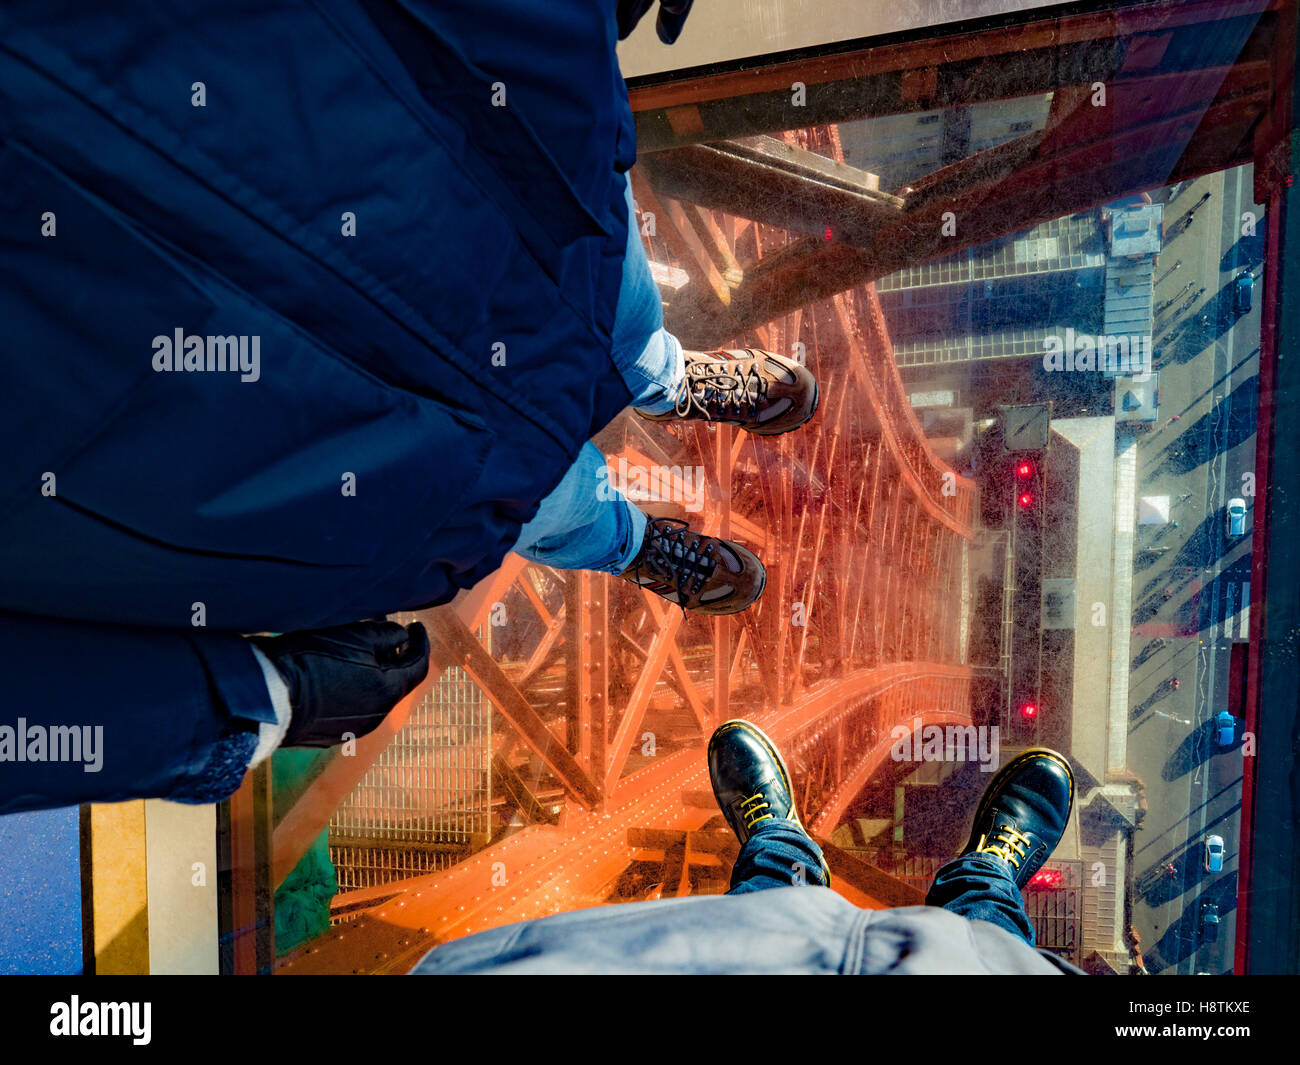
(302, 902)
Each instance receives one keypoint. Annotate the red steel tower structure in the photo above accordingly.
(602, 697)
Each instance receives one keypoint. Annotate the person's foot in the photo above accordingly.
(1023, 813)
(697, 572)
(751, 782)
(763, 393)
(343, 681)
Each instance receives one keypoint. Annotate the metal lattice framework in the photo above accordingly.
(606, 695)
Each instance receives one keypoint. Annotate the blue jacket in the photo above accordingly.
(475, 225)
(406, 216)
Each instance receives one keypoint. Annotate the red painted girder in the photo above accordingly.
(869, 764)
(456, 645)
(542, 869)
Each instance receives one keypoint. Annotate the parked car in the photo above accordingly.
(1209, 922)
(1225, 728)
(1214, 854)
(1236, 517)
(1243, 292)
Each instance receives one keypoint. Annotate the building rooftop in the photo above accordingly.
(1136, 230)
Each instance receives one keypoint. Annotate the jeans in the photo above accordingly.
(586, 522)
(978, 887)
(777, 854)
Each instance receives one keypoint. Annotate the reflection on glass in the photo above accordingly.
(1021, 516)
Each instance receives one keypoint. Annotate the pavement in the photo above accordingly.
(1190, 584)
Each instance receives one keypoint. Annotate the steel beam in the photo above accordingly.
(456, 645)
(548, 869)
(767, 180)
(1041, 52)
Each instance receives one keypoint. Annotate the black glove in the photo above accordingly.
(672, 16)
(347, 678)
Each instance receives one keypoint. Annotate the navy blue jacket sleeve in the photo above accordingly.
(97, 713)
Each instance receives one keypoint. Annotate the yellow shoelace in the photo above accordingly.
(749, 810)
(1011, 846)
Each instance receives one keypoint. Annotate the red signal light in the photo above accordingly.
(1028, 711)
(1025, 499)
(1025, 469)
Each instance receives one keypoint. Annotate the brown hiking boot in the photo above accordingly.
(697, 572)
(763, 393)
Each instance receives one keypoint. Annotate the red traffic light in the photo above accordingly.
(1025, 469)
(1025, 499)
(1028, 711)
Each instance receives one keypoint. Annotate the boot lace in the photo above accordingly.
(721, 389)
(678, 557)
(751, 810)
(1009, 845)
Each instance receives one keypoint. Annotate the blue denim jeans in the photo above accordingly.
(586, 522)
(777, 854)
(978, 887)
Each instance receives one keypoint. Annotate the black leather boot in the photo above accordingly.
(750, 781)
(1023, 813)
(343, 681)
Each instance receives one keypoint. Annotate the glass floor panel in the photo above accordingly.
(1031, 270)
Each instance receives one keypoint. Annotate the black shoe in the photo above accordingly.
(1024, 811)
(343, 681)
(750, 781)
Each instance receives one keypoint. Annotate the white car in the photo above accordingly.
(1236, 518)
(1214, 854)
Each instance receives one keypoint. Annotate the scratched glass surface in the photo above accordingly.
(1028, 274)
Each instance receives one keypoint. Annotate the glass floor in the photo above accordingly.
(1033, 263)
